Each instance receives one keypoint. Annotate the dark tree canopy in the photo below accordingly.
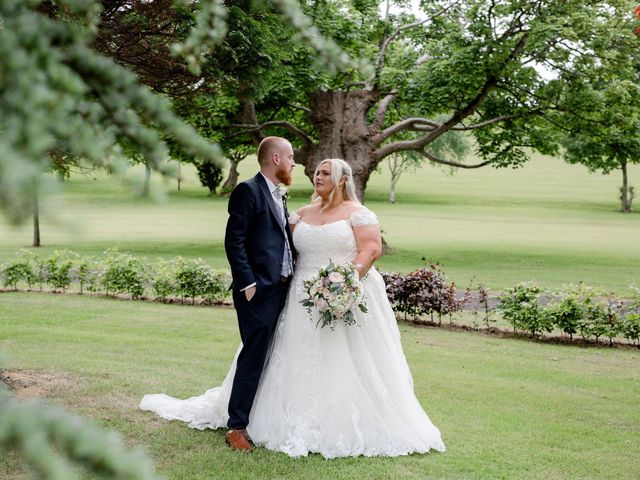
(68, 86)
(56, 93)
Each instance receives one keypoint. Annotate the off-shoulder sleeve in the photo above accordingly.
(363, 216)
(294, 218)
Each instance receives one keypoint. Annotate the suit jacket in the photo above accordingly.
(255, 239)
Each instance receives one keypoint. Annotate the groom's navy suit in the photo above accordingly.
(255, 244)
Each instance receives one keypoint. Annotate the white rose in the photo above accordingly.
(334, 302)
(336, 277)
(348, 303)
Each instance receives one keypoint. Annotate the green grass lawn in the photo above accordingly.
(548, 221)
(507, 409)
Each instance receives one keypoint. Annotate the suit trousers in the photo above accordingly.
(257, 320)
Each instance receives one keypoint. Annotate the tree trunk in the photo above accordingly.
(396, 171)
(341, 122)
(392, 188)
(386, 248)
(179, 176)
(36, 219)
(624, 190)
(232, 179)
(147, 180)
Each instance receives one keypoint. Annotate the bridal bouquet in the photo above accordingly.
(335, 292)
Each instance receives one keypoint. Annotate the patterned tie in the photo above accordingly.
(287, 262)
(280, 193)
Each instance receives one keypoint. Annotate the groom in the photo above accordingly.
(260, 251)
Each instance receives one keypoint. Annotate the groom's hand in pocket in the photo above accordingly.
(249, 293)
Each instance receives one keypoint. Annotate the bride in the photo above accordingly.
(342, 392)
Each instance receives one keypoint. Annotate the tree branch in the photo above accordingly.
(435, 159)
(386, 41)
(419, 143)
(298, 107)
(382, 110)
(406, 124)
(425, 125)
(491, 121)
(274, 123)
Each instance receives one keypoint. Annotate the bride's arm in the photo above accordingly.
(369, 245)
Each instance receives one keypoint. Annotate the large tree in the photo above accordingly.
(607, 138)
(490, 67)
(600, 108)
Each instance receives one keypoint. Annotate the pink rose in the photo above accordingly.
(322, 304)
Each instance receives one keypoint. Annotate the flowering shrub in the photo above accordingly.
(520, 306)
(424, 291)
(87, 272)
(191, 278)
(630, 328)
(23, 269)
(630, 325)
(194, 278)
(601, 316)
(576, 309)
(483, 302)
(217, 286)
(164, 280)
(118, 273)
(17, 272)
(123, 274)
(58, 270)
(566, 313)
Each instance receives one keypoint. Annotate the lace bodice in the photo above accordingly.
(319, 244)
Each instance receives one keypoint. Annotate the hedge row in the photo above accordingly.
(574, 310)
(529, 308)
(118, 274)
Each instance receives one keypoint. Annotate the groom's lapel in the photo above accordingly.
(269, 198)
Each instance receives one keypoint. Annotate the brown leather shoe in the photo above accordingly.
(239, 440)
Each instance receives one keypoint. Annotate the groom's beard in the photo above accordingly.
(284, 177)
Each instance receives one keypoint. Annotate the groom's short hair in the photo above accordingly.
(267, 146)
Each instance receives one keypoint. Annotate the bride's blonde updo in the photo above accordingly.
(339, 169)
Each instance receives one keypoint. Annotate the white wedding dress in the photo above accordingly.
(343, 392)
